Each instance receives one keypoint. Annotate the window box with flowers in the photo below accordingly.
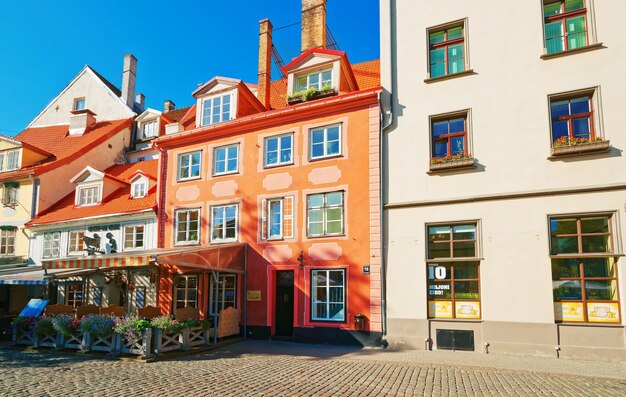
(311, 94)
(452, 162)
(567, 146)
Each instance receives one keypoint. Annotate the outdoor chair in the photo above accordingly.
(117, 311)
(228, 324)
(187, 313)
(58, 309)
(89, 309)
(148, 312)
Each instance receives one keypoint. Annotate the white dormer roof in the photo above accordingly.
(216, 84)
(88, 174)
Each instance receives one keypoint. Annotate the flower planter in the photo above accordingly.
(453, 164)
(24, 337)
(142, 348)
(74, 341)
(566, 150)
(107, 344)
(48, 340)
(166, 342)
(317, 95)
(194, 336)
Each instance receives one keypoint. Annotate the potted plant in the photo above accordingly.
(566, 145)
(452, 161)
(45, 333)
(167, 334)
(99, 330)
(311, 94)
(136, 334)
(22, 329)
(69, 329)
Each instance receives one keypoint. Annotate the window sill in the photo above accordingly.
(225, 174)
(586, 48)
(446, 260)
(224, 241)
(318, 95)
(188, 179)
(457, 320)
(449, 76)
(576, 150)
(271, 166)
(451, 165)
(591, 255)
(327, 236)
(185, 243)
(583, 324)
(333, 156)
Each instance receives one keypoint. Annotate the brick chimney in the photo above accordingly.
(168, 106)
(313, 24)
(265, 61)
(128, 80)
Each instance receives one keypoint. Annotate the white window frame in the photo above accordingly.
(190, 166)
(324, 210)
(5, 236)
(53, 242)
(70, 249)
(186, 301)
(278, 138)
(320, 82)
(2, 156)
(325, 131)
(12, 160)
(77, 101)
(154, 123)
(9, 196)
(221, 113)
(83, 193)
(137, 191)
(268, 222)
(224, 239)
(226, 159)
(327, 302)
(188, 230)
(134, 237)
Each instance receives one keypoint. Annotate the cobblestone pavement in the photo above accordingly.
(253, 369)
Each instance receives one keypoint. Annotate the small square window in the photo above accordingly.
(134, 237)
(447, 50)
(51, 244)
(217, 109)
(449, 137)
(279, 150)
(325, 214)
(139, 189)
(224, 223)
(320, 80)
(79, 104)
(149, 129)
(76, 244)
(189, 165)
(573, 119)
(187, 226)
(325, 142)
(225, 160)
(88, 195)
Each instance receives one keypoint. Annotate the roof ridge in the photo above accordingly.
(111, 86)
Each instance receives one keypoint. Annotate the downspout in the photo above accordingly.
(34, 206)
(161, 181)
(386, 125)
(245, 291)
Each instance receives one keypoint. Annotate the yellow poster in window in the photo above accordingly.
(467, 309)
(569, 311)
(440, 309)
(603, 312)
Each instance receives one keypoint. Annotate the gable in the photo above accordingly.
(99, 98)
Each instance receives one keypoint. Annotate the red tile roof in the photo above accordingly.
(119, 202)
(177, 114)
(56, 141)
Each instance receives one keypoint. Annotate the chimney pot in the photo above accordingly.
(140, 99)
(265, 62)
(129, 76)
(313, 24)
(168, 106)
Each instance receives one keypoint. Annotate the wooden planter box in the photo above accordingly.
(318, 95)
(453, 164)
(108, 344)
(48, 340)
(143, 349)
(76, 341)
(167, 342)
(583, 148)
(21, 337)
(195, 336)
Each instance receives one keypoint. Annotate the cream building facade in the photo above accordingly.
(505, 184)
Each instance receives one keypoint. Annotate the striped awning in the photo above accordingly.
(97, 262)
(36, 276)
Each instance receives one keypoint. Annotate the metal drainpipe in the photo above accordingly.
(245, 291)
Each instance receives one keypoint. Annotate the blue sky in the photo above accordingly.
(179, 44)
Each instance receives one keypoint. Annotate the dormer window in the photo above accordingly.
(216, 109)
(320, 80)
(88, 195)
(9, 160)
(79, 104)
(139, 189)
(149, 129)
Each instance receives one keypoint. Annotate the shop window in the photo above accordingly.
(446, 50)
(51, 244)
(74, 295)
(189, 166)
(133, 237)
(7, 241)
(226, 159)
(325, 214)
(328, 295)
(187, 226)
(584, 272)
(76, 245)
(453, 286)
(449, 137)
(325, 142)
(224, 221)
(278, 150)
(186, 293)
(226, 293)
(277, 218)
(565, 25)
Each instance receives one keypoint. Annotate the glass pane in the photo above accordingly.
(457, 125)
(466, 290)
(554, 45)
(596, 244)
(316, 200)
(464, 232)
(320, 294)
(301, 83)
(455, 33)
(577, 40)
(436, 37)
(554, 30)
(317, 150)
(571, 5)
(564, 245)
(335, 198)
(563, 226)
(438, 250)
(440, 149)
(336, 278)
(601, 290)
(580, 105)
(439, 290)
(595, 225)
(455, 52)
(437, 70)
(320, 311)
(315, 215)
(333, 133)
(560, 129)
(319, 278)
(581, 128)
(439, 233)
(576, 25)
(465, 270)
(334, 227)
(315, 229)
(220, 154)
(457, 144)
(552, 9)
(232, 165)
(272, 144)
(600, 267)
(336, 311)
(464, 249)
(332, 148)
(566, 290)
(565, 268)
(440, 128)
(456, 66)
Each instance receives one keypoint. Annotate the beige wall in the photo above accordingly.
(18, 215)
(510, 135)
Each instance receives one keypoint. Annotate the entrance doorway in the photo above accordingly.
(284, 303)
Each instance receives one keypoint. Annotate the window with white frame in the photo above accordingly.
(277, 218)
(2, 168)
(224, 221)
(76, 245)
(325, 142)
(149, 129)
(274, 219)
(9, 195)
(186, 292)
(226, 293)
(133, 237)
(328, 295)
(88, 195)
(79, 103)
(187, 226)
(325, 214)
(225, 159)
(7, 241)
(139, 188)
(189, 165)
(278, 150)
(9, 160)
(216, 109)
(51, 244)
(320, 80)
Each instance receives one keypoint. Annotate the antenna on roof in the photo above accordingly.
(331, 42)
(278, 60)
